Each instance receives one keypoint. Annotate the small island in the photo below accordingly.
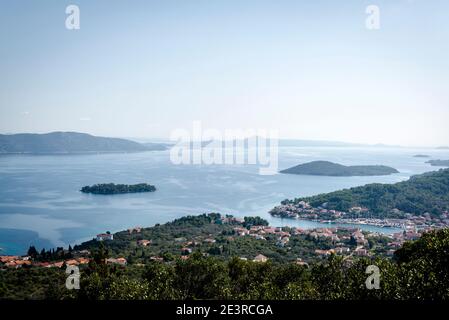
(111, 188)
(438, 163)
(421, 156)
(326, 168)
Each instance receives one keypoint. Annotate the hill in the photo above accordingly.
(326, 168)
(225, 237)
(68, 142)
(421, 194)
(174, 261)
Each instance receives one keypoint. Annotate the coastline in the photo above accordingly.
(380, 223)
(319, 223)
(59, 213)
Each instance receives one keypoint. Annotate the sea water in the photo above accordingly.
(41, 205)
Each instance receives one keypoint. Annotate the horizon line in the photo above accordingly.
(167, 139)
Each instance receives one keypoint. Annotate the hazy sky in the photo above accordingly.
(310, 69)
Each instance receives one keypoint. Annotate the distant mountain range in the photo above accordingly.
(326, 168)
(294, 143)
(324, 143)
(70, 142)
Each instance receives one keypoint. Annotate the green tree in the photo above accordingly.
(201, 278)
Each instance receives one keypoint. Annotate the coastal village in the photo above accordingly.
(348, 242)
(303, 210)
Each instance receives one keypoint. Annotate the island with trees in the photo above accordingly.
(439, 163)
(421, 156)
(327, 168)
(111, 188)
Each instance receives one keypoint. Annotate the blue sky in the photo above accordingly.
(310, 69)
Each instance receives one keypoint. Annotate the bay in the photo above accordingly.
(40, 202)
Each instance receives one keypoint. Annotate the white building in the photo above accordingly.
(104, 236)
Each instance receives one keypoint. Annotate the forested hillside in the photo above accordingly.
(428, 192)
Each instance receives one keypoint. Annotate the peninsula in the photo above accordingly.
(420, 202)
(70, 143)
(214, 256)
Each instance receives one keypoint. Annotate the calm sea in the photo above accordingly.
(40, 202)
